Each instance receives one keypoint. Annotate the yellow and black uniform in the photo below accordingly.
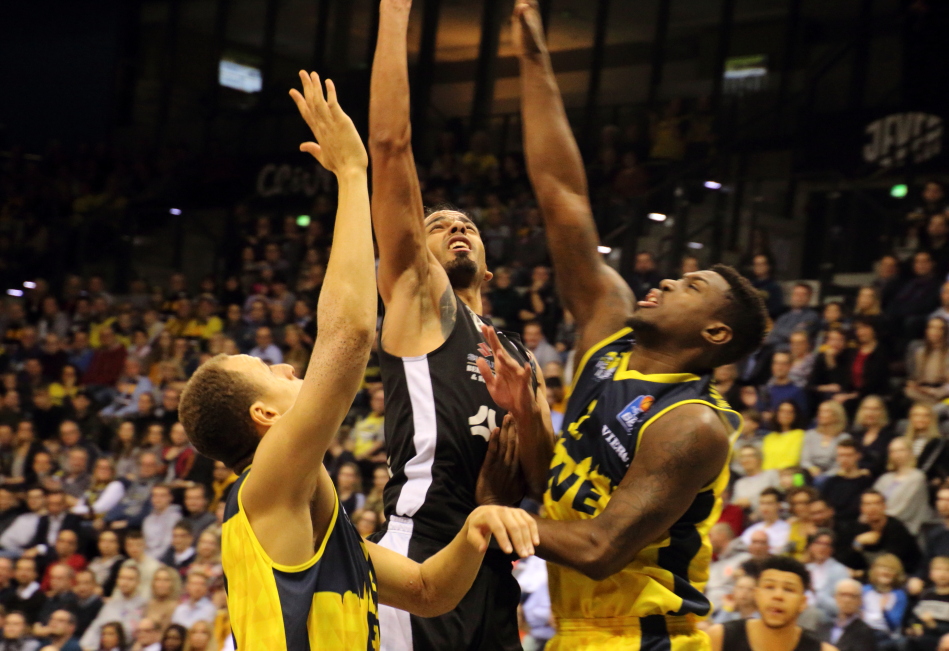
(328, 603)
(654, 602)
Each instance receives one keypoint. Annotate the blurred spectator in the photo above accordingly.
(180, 554)
(157, 527)
(200, 636)
(819, 452)
(165, 594)
(366, 521)
(778, 530)
(740, 604)
(147, 636)
(21, 532)
(140, 561)
(800, 318)
(531, 574)
(884, 600)
(768, 287)
(842, 489)
(59, 595)
(782, 448)
(56, 519)
(61, 631)
(106, 564)
(103, 493)
(928, 365)
(916, 299)
(28, 598)
(826, 572)
(125, 607)
(88, 602)
(174, 638)
(802, 359)
(943, 311)
(65, 554)
(872, 432)
(849, 632)
(868, 364)
(106, 365)
(877, 533)
(929, 620)
(197, 606)
(928, 445)
(536, 343)
(196, 509)
(266, 350)
(748, 489)
(349, 488)
(830, 373)
(368, 435)
(645, 277)
(134, 506)
(780, 388)
(112, 638)
(129, 387)
(907, 496)
(16, 634)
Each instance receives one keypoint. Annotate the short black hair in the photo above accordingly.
(215, 412)
(786, 564)
(822, 532)
(771, 490)
(744, 313)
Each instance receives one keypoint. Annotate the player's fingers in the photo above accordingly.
(532, 526)
(508, 438)
(300, 101)
(518, 531)
(494, 442)
(331, 98)
(486, 372)
(499, 529)
(311, 148)
(318, 101)
(307, 84)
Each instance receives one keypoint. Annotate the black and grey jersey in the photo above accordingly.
(439, 415)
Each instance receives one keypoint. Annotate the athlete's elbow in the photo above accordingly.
(390, 142)
(601, 560)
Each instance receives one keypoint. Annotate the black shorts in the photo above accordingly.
(485, 619)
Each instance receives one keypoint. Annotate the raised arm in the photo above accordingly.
(398, 212)
(668, 471)
(288, 462)
(436, 586)
(594, 293)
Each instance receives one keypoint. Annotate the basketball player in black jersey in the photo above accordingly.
(439, 413)
(780, 597)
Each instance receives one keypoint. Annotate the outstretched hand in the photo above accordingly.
(340, 147)
(528, 28)
(510, 384)
(514, 529)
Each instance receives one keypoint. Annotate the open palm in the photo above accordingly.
(509, 384)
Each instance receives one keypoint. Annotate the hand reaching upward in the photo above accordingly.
(509, 384)
(528, 29)
(340, 148)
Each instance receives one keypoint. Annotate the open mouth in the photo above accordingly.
(652, 299)
(459, 243)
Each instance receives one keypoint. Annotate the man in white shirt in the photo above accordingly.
(826, 571)
(197, 607)
(125, 606)
(754, 480)
(148, 635)
(769, 506)
(22, 531)
(158, 524)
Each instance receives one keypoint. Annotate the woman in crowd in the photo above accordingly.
(112, 637)
(380, 476)
(802, 359)
(349, 487)
(833, 318)
(830, 371)
(884, 600)
(153, 442)
(873, 432)
(103, 493)
(179, 454)
(929, 445)
(162, 351)
(124, 452)
(904, 487)
(928, 365)
(782, 447)
(104, 566)
(166, 593)
(200, 637)
(868, 303)
(174, 638)
(144, 412)
(65, 389)
(868, 369)
(820, 444)
(726, 383)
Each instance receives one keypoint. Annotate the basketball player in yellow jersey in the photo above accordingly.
(635, 479)
(297, 574)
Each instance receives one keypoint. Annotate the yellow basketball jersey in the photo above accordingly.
(328, 603)
(608, 411)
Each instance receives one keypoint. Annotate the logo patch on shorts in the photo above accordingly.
(635, 412)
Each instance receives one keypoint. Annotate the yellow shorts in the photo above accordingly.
(629, 634)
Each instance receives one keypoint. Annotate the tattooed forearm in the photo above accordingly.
(447, 308)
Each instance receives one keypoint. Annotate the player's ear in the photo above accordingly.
(488, 275)
(263, 414)
(717, 333)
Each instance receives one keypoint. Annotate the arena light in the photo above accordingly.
(14, 292)
(605, 250)
(899, 191)
(713, 185)
(29, 284)
(303, 221)
(657, 217)
(695, 245)
(175, 211)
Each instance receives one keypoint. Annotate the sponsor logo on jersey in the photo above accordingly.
(615, 444)
(606, 366)
(634, 412)
(484, 422)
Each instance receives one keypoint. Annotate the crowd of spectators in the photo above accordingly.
(110, 521)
